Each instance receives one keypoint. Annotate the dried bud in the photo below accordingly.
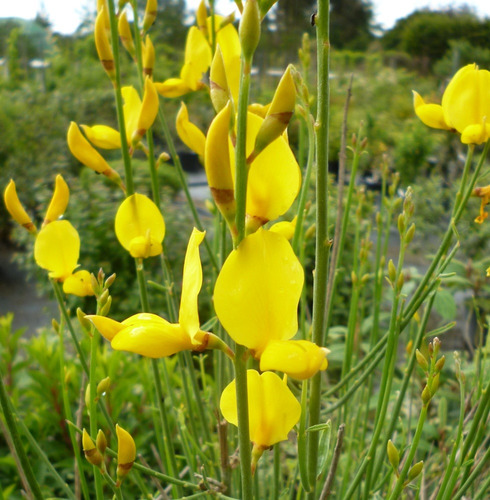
(92, 454)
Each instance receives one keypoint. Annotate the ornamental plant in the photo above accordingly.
(242, 402)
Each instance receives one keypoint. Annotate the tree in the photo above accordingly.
(350, 24)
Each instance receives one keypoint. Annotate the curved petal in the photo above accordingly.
(102, 136)
(228, 40)
(148, 110)
(258, 289)
(273, 409)
(107, 327)
(131, 109)
(57, 249)
(285, 227)
(59, 200)
(138, 217)
(15, 208)
(79, 284)
(153, 340)
(430, 114)
(300, 359)
(476, 134)
(191, 285)
(173, 87)
(189, 134)
(197, 51)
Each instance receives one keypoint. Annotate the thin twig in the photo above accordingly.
(340, 195)
(335, 461)
(78, 417)
(154, 480)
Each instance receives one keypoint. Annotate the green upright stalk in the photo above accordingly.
(322, 246)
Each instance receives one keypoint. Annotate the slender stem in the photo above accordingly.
(476, 471)
(302, 443)
(322, 246)
(19, 448)
(335, 461)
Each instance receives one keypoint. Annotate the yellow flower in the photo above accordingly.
(148, 56)
(484, 194)
(78, 284)
(15, 209)
(140, 227)
(197, 61)
(189, 133)
(300, 359)
(154, 337)
(102, 136)
(126, 452)
(125, 34)
(57, 248)
(465, 106)
(59, 201)
(257, 291)
(272, 409)
(285, 228)
(102, 43)
(151, 11)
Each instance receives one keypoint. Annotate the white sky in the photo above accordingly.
(65, 15)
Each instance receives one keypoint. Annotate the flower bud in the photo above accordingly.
(391, 271)
(150, 14)
(440, 363)
(400, 282)
(279, 113)
(421, 360)
(104, 310)
(15, 208)
(218, 83)
(125, 34)
(415, 470)
(101, 442)
(86, 325)
(393, 455)
(148, 57)
(87, 397)
(249, 30)
(410, 233)
(91, 452)
(126, 452)
(110, 280)
(201, 18)
(103, 386)
(437, 345)
(103, 45)
(55, 325)
(426, 395)
(435, 383)
(59, 201)
(401, 224)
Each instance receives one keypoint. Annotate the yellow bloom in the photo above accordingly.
(154, 337)
(57, 248)
(147, 112)
(85, 153)
(484, 194)
(59, 201)
(148, 57)
(102, 43)
(257, 291)
(102, 136)
(300, 359)
(189, 133)
(218, 83)
(140, 227)
(78, 284)
(465, 106)
(197, 61)
(15, 209)
(285, 228)
(272, 409)
(151, 11)
(125, 34)
(126, 452)
(229, 43)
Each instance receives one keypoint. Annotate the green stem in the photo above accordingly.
(15, 437)
(476, 472)
(302, 443)
(322, 246)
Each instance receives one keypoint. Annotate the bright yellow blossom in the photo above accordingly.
(189, 133)
(102, 136)
(272, 410)
(15, 208)
(257, 291)
(465, 106)
(79, 284)
(59, 201)
(125, 34)
(103, 44)
(154, 337)
(140, 227)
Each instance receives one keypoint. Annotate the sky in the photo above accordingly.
(66, 15)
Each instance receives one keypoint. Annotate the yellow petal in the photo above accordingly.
(102, 136)
(430, 114)
(102, 43)
(84, 152)
(197, 51)
(126, 451)
(125, 34)
(220, 93)
(285, 228)
(148, 56)
(201, 16)
(59, 200)
(273, 409)
(173, 87)
(152, 339)
(191, 285)
(79, 284)
(138, 217)
(148, 111)
(476, 134)
(107, 327)
(15, 208)
(132, 109)
(57, 248)
(300, 359)
(151, 11)
(227, 39)
(258, 289)
(189, 134)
